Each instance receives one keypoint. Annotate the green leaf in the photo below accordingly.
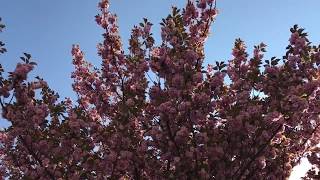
(27, 55)
(33, 63)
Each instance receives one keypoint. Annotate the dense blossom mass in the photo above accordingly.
(158, 113)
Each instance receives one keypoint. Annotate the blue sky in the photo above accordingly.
(47, 29)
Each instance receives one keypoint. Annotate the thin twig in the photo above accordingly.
(253, 158)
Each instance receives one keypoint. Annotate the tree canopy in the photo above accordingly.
(158, 113)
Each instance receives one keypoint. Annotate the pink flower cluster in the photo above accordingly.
(157, 113)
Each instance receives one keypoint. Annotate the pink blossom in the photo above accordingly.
(155, 113)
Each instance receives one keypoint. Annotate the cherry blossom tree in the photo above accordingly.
(158, 113)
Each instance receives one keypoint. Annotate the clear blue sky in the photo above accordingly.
(47, 29)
